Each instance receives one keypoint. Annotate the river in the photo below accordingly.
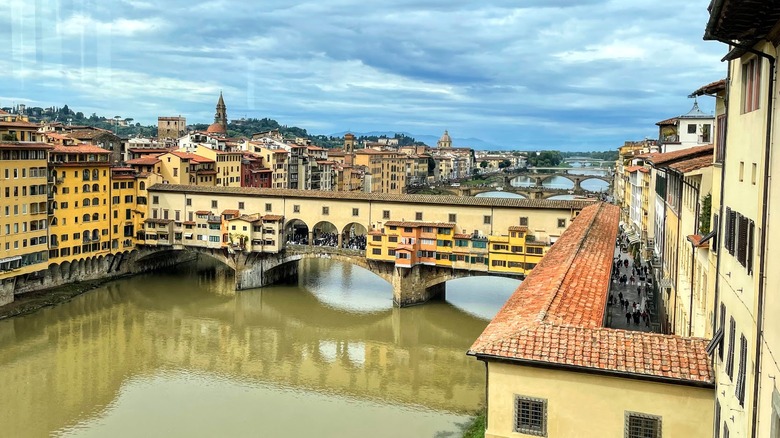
(180, 354)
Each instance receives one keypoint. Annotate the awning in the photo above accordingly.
(633, 238)
(709, 236)
(188, 235)
(715, 342)
(10, 259)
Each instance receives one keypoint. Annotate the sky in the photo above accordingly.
(520, 74)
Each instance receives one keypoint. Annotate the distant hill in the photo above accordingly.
(430, 140)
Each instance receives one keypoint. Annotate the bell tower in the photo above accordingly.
(221, 115)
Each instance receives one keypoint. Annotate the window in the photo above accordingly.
(498, 247)
(720, 142)
(268, 206)
(296, 208)
(691, 128)
(722, 328)
(741, 171)
(385, 214)
(376, 251)
(740, 389)
(517, 249)
(214, 204)
(751, 85)
(241, 205)
(189, 202)
(325, 211)
(730, 356)
(531, 416)
(642, 425)
(561, 223)
(355, 212)
(156, 200)
(523, 221)
(486, 220)
(418, 216)
(453, 218)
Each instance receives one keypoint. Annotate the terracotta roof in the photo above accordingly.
(148, 160)
(149, 150)
(273, 217)
(376, 233)
(462, 236)
(555, 317)
(192, 157)
(672, 121)
(419, 224)
(696, 239)
(158, 221)
(406, 199)
(24, 145)
(663, 158)
(189, 222)
(231, 212)
(19, 124)
(692, 164)
(82, 149)
(516, 228)
(203, 213)
(711, 88)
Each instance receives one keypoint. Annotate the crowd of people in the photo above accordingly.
(301, 237)
(627, 275)
(355, 242)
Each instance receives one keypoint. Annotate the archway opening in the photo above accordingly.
(556, 182)
(481, 296)
(325, 233)
(296, 232)
(354, 237)
(594, 185)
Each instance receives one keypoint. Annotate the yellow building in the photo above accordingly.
(24, 184)
(554, 370)
(20, 130)
(227, 165)
(747, 330)
(80, 226)
(276, 160)
(385, 171)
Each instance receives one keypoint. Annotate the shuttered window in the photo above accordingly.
(730, 356)
(742, 233)
(751, 233)
(722, 327)
(740, 389)
(728, 235)
(715, 225)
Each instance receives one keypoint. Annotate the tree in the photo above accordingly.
(504, 164)
(483, 164)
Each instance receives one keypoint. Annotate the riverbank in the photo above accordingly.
(33, 301)
(476, 428)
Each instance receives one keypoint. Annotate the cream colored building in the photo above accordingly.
(554, 370)
(171, 127)
(748, 278)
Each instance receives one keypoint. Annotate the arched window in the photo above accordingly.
(95, 175)
(95, 217)
(95, 188)
(85, 218)
(95, 201)
(86, 202)
(54, 222)
(95, 235)
(85, 188)
(142, 185)
(86, 174)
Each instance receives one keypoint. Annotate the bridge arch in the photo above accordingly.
(594, 180)
(543, 178)
(324, 233)
(296, 231)
(353, 236)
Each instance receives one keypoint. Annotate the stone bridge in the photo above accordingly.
(411, 286)
(528, 192)
(540, 178)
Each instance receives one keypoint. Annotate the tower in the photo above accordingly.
(349, 143)
(221, 114)
(445, 141)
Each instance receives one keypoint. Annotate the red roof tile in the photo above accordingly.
(692, 164)
(231, 212)
(273, 217)
(82, 148)
(418, 224)
(711, 88)
(24, 145)
(149, 160)
(556, 315)
(663, 158)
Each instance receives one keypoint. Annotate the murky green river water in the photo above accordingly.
(180, 354)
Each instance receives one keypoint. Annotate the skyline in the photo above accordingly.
(549, 75)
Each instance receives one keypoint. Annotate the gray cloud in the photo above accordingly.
(537, 73)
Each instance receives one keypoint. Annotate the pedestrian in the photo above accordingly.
(625, 263)
(636, 316)
(610, 300)
(628, 317)
(639, 290)
(620, 295)
(632, 280)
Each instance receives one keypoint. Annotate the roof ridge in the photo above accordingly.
(543, 313)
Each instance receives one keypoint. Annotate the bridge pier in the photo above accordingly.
(409, 287)
(261, 273)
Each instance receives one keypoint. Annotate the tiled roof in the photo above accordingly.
(462, 236)
(148, 160)
(664, 158)
(407, 199)
(203, 213)
(692, 164)
(231, 212)
(82, 148)
(419, 224)
(555, 318)
(158, 221)
(192, 157)
(24, 145)
(18, 124)
(671, 121)
(517, 228)
(711, 88)
(273, 217)
(696, 239)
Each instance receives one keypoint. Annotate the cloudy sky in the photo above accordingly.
(526, 74)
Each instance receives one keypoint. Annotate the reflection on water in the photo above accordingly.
(181, 354)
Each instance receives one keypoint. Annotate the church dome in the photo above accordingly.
(216, 128)
(445, 137)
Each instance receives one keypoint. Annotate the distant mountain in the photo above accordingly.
(430, 140)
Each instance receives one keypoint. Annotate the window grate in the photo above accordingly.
(642, 425)
(531, 416)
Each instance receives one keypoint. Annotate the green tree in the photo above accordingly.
(483, 164)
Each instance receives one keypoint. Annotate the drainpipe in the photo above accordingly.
(764, 222)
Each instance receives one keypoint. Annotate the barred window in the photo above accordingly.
(531, 415)
(642, 425)
(524, 221)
